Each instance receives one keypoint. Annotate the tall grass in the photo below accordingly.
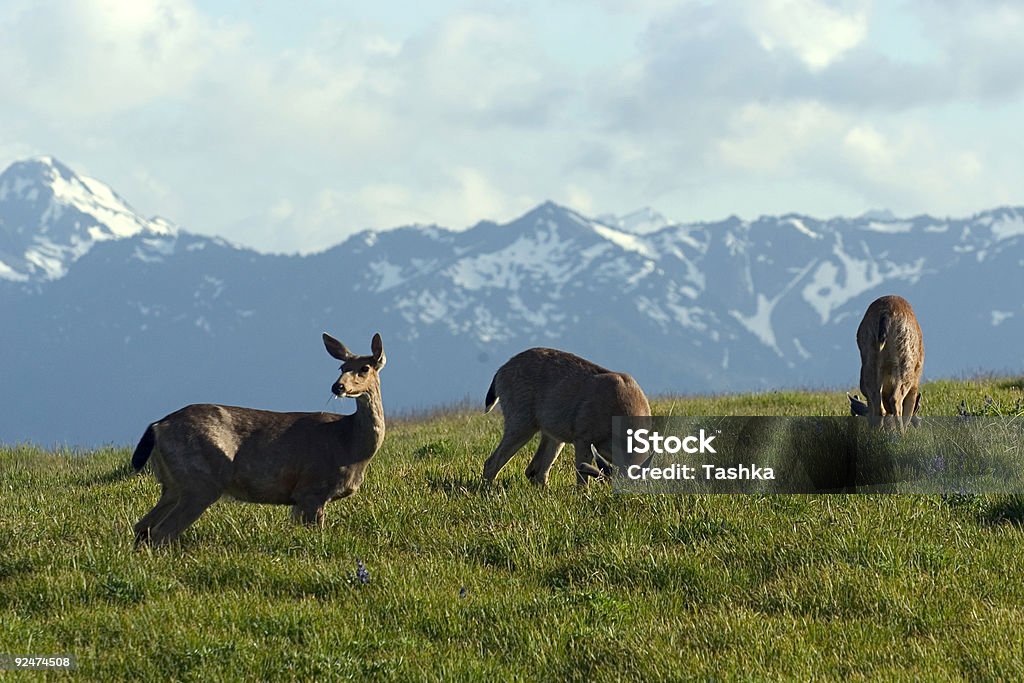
(464, 581)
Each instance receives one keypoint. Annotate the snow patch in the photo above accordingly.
(894, 227)
(734, 244)
(160, 246)
(13, 188)
(760, 322)
(154, 250)
(833, 285)
(683, 235)
(216, 283)
(689, 316)
(429, 231)
(47, 257)
(488, 327)
(651, 310)
(389, 275)
(8, 273)
(541, 257)
(536, 316)
(1008, 227)
(625, 240)
(804, 353)
(645, 270)
(799, 225)
(431, 308)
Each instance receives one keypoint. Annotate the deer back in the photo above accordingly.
(890, 341)
(564, 394)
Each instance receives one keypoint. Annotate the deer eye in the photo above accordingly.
(365, 369)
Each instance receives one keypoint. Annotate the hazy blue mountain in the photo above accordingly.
(110, 320)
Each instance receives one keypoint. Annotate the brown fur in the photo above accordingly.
(203, 452)
(892, 358)
(568, 400)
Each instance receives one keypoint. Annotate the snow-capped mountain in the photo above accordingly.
(144, 323)
(50, 217)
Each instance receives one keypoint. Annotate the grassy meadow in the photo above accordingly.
(510, 582)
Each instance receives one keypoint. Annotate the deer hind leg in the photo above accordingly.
(547, 452)
(515, 437)
(169, 496)
(187, 510)
(904, 400)
(910, 404)
(892, 403)
(168, 500)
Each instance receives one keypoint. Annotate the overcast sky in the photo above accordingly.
(287, 126)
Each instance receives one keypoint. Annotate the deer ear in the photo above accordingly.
(336, 348)
(377, 346)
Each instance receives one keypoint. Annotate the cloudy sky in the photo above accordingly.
(287, 126)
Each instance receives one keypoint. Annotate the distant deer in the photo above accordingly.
(567, 399)
(305, 460)
(891, 359)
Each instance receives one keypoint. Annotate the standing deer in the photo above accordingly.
(305, 460)
(891, 359)
(567, 399)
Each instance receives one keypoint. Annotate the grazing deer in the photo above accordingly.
(891, 359)
(305, 460)
(567, 399)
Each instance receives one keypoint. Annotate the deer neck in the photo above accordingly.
(368, 421)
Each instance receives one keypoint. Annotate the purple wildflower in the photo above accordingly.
(362, 573)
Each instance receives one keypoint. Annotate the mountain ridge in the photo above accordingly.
(166, 319)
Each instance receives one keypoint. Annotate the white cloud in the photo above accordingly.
(726, 107)
(462, 195)
(908, 167)
(868, 146)
(579, 199)
(103, 56)
(817, 32)
(281, 210)
(772, 139)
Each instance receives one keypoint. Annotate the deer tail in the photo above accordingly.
(144, 449)
(883, 328)
(492, 396)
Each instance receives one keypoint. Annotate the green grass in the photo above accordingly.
(555, 584)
